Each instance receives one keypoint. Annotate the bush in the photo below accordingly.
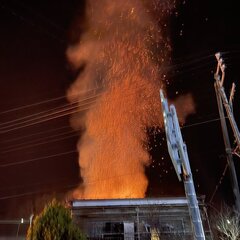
(54, 223)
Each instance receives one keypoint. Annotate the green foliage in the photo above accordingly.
(54, 223)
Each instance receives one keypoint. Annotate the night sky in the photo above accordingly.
(33, 68)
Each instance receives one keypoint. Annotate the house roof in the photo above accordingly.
(179, 201)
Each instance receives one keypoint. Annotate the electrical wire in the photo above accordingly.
(36, 184)
(201, 123)
(71, 106)
(177, 73)
(47, 118)
(183, 64)
(33, 122)
(36, 159)
(37, 115)
(26, 145)
(36, 192)
(83, 92)
(39, 144)
(207, 60)
(34, 134)
(64, 96)
(219, 183)
(86, 92)
(36, 140)
(49, 113)
(195, 58)
(71, 113)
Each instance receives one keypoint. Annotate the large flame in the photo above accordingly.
(119, 54)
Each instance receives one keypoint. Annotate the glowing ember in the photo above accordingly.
(119, 51)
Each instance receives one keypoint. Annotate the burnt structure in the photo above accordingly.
(136, 219)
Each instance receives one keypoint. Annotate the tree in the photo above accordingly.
(227, 224)
(54, 223)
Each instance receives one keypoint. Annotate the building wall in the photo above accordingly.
(153, 221)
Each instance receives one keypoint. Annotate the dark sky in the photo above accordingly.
(33, 68)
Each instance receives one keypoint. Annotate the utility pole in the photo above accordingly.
(178, 152)
(222, 102)
(227, 104)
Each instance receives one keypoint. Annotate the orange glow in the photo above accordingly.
(118, 49)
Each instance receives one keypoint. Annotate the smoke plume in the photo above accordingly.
(121, 53)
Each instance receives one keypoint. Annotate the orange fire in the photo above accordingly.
(118, 51)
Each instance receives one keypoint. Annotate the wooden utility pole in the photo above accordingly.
(222, 102)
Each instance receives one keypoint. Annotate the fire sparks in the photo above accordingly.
(118, 51)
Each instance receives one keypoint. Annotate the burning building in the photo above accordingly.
(156, 218)
(121, 60)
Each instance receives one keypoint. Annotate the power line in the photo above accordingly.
(84, 109)
(39, 144)
(219, 183)
(33, 134)
(50, 117)
(71, 113)
(44, 120)
(36, 159)
(35, 192)
(201, 123)
(63, 97)
(6, 141)
(48, 113)
(31, 144)
(54, 115)
(36, 140)
(51, 100)
(191, 69)
(192, 62)
(65, 107)
(37, 115)
(36, 184)
(196, 58)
